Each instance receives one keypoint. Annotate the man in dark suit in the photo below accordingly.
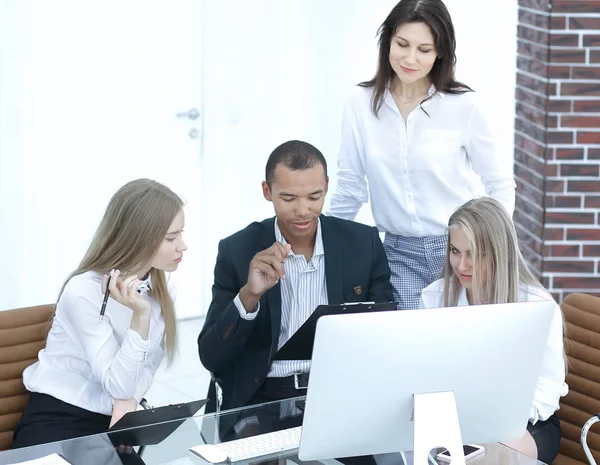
(271, 275)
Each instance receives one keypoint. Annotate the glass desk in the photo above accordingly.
(214, 428)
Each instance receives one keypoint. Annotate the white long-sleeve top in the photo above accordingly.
(419, 171)
(88, 363)
(551, 384)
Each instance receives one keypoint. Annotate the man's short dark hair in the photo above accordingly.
(295, 155)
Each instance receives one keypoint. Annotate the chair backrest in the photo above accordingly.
(582, 345)
(22, 335)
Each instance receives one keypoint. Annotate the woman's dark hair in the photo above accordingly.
(434, 14)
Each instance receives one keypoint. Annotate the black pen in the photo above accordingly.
(106, 295)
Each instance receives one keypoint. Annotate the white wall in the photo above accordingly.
(88, 96)
(272, 70)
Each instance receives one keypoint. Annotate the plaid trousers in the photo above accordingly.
(415, 262)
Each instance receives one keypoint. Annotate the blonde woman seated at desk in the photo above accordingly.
(484, 266)
(95, 369)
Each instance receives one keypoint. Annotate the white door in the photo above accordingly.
(90, 95)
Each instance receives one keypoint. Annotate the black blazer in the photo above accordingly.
(238, 352)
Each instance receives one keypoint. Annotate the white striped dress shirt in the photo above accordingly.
(302, 291)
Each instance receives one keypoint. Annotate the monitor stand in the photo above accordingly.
(436, 425)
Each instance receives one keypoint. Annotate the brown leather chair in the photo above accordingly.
(22, 335)
(582, 344)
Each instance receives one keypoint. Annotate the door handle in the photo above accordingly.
(192, 114)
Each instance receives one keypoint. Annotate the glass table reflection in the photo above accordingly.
(213, 428)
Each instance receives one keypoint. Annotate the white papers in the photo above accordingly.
(52, 459)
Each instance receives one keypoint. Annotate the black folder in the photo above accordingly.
(153, 425)
(300, 345)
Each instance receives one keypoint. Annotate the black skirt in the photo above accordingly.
(47, 419)
(546, 435)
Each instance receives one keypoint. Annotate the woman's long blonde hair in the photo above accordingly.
(495, 249)
(134, 225)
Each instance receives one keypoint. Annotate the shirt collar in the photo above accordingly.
(318, 240)
(389, 99)
(146, 285)
(433, 91)
(462, 297)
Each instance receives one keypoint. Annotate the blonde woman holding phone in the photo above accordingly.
(94, 370)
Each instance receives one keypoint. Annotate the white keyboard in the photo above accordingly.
(262, 444)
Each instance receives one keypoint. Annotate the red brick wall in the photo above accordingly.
(557, 142)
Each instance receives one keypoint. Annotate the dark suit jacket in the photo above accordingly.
(238, 352)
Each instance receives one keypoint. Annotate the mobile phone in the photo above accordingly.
(470, 451)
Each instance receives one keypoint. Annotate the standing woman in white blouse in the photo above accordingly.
(94, 370)
(484, 266)
(416, 140)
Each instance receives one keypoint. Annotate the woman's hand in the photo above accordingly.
(125, 292)
(120, 408)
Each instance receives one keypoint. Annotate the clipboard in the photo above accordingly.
(300, 345)
(153, 425)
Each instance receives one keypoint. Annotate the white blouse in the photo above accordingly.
(551, 384)
(88, 363)
(419, 171)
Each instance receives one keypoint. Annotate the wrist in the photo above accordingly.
(249, 300)
(142, 315)
(143, 310)
(246, 291)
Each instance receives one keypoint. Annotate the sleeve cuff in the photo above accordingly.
(534, 416)
(242, 311)
(134, 346)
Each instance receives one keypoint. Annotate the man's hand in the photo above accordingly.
(266, 269)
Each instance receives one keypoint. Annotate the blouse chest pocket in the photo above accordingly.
(437, 149)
